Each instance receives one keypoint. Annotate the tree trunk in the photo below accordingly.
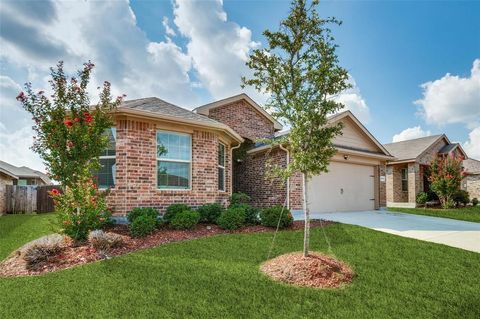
(306, 234)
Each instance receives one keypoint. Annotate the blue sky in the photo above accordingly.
(390, 48)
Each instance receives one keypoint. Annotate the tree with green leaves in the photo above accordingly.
(69, 131)
(300, 72)
(69, 139)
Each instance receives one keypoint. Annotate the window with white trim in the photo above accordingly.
(221, 167)
(106, 174)
(174, 160)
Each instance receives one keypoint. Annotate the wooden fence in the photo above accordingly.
(28, 199)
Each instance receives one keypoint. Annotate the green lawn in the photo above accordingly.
(471, 214)
(218, 277)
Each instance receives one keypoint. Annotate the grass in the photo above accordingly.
(471, 214)
(218, 277)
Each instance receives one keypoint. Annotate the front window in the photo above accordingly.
(221, 167)
(174, 157)
(404, 180)
(106, 174)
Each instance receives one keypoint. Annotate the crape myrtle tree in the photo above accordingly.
(445, 176)
(300, 72)
(69, 139)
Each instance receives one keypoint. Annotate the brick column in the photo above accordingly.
(413, 181)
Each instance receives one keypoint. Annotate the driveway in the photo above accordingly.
(455, 233)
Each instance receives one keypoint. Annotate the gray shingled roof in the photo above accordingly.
(471, 166)
(411, 149)
(448, 148)
(159, 106)
(22, 172)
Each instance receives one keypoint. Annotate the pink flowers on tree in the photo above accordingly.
(445, 177)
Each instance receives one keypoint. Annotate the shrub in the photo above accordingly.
(81, 209)
(422, 198)
(140, 211)
(270, 217)
(174, 209)
(143, 225)
(41, 249)
(475, 201)
(185, 220)
(103, 241)
(432, 196)
(252, 214)
(209, 213)
(461, 197)
(239, 198)
(232, 218)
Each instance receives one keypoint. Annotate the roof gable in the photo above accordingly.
(411, 149)
(204, 109)
(355, 135)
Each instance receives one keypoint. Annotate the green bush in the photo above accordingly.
(422, 198)
(185, 220)
(140, 211)
(474, 201)
(143, 225)
(232, 218)
(209, 213)
(239, 198)
(174, 209)
(270, 217)
(252, 214)
(461, 197)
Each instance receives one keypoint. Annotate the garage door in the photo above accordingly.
(346, 187)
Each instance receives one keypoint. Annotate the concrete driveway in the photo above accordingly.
(455, 233)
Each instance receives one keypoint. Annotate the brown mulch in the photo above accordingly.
(315, 270)
(78, 254)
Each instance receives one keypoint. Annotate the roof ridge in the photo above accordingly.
(418, 138)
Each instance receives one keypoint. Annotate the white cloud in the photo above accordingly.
(219, 48)
(472, 146)
(15, 148)
(452, 99)
(410, 134)
(352, 100)
(168, 30)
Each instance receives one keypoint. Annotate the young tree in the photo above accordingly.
(301, 73)
(445, 178)
(70, 138)
(69, 131)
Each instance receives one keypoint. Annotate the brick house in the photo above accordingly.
(162, 154)
(406, 175)
(471, 182)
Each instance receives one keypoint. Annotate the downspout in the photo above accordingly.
(231, 166)
(288, 179)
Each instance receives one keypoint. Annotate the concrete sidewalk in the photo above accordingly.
(451, 232)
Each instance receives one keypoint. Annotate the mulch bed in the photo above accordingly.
(315, 270)
(74, 254)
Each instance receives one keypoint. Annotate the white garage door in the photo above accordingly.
(346, 187)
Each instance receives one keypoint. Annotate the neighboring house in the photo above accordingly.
(471, 181)
(162, 154)
(22, 176)
(406, 175)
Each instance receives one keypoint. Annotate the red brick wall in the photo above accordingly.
(136, 177)
(251, 178)
(244, 119)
